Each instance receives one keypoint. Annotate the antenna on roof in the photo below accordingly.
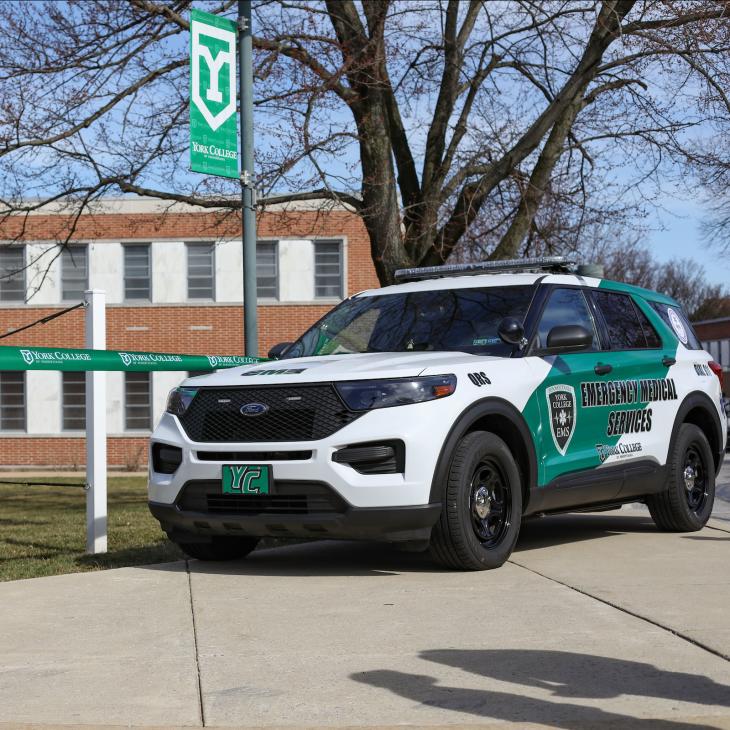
(554, 264)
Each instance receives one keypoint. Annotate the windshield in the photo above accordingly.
(462, 320)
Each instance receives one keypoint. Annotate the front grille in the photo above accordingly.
(290, 498)
(255, 456)
(295, 413)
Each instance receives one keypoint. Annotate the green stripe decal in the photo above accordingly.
(57, 358)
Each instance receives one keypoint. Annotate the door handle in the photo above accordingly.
(668, 361)
(602, 369)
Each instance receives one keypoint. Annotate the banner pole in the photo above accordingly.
(248, 212)
(96, 492)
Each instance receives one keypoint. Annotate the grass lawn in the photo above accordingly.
(43, 529)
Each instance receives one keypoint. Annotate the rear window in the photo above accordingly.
(628, 328)
(676, 320)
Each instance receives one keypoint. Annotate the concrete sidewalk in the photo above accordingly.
(597, 621)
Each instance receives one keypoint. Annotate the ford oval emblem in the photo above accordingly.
(254, 409)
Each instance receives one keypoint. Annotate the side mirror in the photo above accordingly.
(569, 336)
(278, 351)
(511, 331)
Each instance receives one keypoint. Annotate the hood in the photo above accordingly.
(328, 368)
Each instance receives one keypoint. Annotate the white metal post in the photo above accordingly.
(95, 427)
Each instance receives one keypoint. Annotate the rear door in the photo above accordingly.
(637, 395)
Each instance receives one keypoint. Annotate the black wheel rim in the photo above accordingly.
(490, 504)
(694, 478)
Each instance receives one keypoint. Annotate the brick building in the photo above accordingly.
(173, 283)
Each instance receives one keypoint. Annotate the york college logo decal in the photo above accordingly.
(561, 407)
(215, 61)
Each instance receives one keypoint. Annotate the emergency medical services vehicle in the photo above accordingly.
(441, 411)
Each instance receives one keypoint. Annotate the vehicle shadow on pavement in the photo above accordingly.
(351, 558)
(325, 558)
(565, 529)
(563, 674)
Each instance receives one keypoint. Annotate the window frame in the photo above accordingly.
(63, 402)
(342, 277)
(274, 242)
(70, 249)
(24, 381)
(201, 244)
(22, 275)
(534, 317)
(150, 402)
(609, 345)
(131, 244)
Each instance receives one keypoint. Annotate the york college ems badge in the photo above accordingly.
(561, 407)
(213, 126)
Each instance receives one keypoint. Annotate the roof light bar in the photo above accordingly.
(538, 263)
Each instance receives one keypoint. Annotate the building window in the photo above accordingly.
(12, 401)
(201, 271)
(137, 271)
(73, 390)
(12, 274)
(267, 270)
(74, 273)
(137, 402)
(328, 269)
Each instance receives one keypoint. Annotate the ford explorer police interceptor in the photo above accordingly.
(441, 411)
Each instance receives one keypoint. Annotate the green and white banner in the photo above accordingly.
(55, 358)
(213, 127)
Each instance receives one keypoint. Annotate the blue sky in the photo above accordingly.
(682, 237)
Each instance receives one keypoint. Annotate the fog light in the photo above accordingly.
(166, 459)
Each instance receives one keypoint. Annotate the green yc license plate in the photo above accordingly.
(246, 479)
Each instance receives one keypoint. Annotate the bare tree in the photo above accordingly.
(683, 279)
(501, 128)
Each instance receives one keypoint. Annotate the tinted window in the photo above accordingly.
(652, 338)
(565, 306)
(463, 320)
(624, 327)
(663, 310)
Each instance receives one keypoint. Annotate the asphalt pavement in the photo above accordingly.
(597, 621)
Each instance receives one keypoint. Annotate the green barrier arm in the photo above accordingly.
(56, 358)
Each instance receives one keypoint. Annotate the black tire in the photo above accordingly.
(686, 504)
(220, 547)
(475, 532)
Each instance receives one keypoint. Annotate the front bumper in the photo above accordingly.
(390, 524)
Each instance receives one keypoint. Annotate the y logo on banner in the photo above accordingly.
(217, 60)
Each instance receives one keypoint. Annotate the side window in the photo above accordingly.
(565, 306)
(624, 328)
(675, 319)
(652, 338)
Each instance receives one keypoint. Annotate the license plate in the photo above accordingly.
(246, 479)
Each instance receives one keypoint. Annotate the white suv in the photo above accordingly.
(441, 411)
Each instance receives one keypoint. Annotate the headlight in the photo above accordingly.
(179, 400)
(364, 395)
